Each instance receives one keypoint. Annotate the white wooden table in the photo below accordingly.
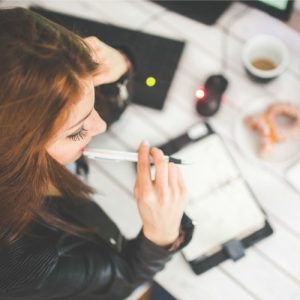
(271, 269)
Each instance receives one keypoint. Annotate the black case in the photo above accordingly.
(152, 56)
(233, 249)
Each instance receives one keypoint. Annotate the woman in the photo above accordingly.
(56, 243)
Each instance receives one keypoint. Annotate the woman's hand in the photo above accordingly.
(161, 201)
(112, 63)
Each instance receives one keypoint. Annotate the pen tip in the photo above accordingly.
(186, 162)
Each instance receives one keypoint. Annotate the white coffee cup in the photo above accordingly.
(265, 57)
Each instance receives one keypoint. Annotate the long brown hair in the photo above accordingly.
(41, 64)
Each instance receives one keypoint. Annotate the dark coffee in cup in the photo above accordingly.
(263, 64)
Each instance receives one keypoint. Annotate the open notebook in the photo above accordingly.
(227, 216)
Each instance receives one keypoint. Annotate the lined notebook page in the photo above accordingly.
(221, 203)
(212, 166)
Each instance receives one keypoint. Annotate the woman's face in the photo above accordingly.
(82, 124)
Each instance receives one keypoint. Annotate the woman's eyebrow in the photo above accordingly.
(81, 120)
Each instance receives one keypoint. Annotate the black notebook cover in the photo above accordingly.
(205, 263)
(153, 56)
(207, 251)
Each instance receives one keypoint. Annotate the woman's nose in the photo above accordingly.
(98, 125)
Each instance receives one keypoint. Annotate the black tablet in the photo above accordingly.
(155, 58)
(280, 9)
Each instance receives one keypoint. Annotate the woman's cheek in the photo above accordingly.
(64, 152)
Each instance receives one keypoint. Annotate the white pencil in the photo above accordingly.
(125, 156)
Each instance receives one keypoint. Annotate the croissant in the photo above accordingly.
(270, 127)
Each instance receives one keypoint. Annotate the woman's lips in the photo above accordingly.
(83, 148)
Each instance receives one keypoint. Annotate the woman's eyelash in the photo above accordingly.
(78, 135)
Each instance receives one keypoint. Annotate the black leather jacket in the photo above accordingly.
(51, 264)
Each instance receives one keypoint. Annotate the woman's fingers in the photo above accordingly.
(161, 170)
(143, 165)
(182, 185)
(173, 178)
(168, 184)
(160, 202)
(112, 64)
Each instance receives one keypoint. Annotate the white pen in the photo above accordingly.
(124, 156)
